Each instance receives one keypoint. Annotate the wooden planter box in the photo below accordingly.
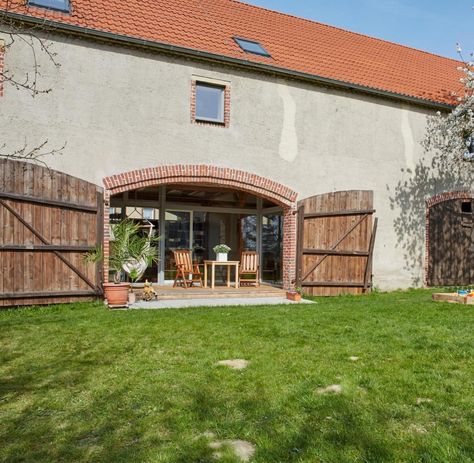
(453, 297)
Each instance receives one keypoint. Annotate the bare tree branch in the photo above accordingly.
(28, 35)
(34, 37)
(34, 155)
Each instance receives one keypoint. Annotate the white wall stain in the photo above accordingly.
(408, 140)
(288, 149)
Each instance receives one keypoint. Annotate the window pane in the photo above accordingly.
(238, 231)
(62, 5)
(272, 242)
(148, 213)
(177, 236)
(209, 103)
(252, 47)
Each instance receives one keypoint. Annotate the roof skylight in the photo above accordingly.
(250, 46)
(59, 5)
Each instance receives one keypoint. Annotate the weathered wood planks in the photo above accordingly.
(47, 221)
(336, 234)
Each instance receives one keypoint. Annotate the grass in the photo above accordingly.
(82, 383)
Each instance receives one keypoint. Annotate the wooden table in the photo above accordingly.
(228, 264)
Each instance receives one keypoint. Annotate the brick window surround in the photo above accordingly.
(212, 175)
(430, 202)
(226, 88)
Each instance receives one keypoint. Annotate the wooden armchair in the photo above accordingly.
(249, 266)
(184, 268)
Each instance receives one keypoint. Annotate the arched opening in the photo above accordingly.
(198, 207)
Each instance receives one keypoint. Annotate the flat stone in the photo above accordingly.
(423, 400)
(353, 358)
(332, 389)
(418, 429)
(243, 449)
(236, 364)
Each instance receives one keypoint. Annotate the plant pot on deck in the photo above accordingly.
(293, 296)
(221, 257)
(117, 294)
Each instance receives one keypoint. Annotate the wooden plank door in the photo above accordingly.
(450, 243)
(48, 220)
(336, 235)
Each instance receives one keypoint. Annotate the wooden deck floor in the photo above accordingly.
(170, 293)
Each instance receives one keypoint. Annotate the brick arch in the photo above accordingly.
(217, 176)
(446, 196)
(202, 174)
(430, 202)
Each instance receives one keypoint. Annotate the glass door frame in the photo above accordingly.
(170, 207)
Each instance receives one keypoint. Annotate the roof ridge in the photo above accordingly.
(312, 21)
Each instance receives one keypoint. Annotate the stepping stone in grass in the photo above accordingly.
(353, 358)
(417, 429)
(235, 364)
(243, 449)
(332, 389)
(423, 400)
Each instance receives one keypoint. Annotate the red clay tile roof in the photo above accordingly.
(295, 44)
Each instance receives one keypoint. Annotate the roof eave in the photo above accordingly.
(193, 53)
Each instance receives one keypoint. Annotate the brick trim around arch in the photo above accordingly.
(212, 175)
(430, 202)
(202, 174)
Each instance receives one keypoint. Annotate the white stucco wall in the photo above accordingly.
(121, 109)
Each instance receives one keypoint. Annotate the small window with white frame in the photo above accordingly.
(209, 103)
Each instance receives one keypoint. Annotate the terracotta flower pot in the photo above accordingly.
(117, 294)
(293, 296)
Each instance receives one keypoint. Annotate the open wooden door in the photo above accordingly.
(451, 243)
(48, 220)
(336, 235)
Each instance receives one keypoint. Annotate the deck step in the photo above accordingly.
(167, 293)
(170, 297)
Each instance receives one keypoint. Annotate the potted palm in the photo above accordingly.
(130, 254)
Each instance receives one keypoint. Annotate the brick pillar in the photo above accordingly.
(106, 235)
(289, 247)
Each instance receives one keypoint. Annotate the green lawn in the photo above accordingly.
(82, 383)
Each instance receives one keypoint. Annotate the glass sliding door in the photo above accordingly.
(177, 236)
(272, 247)
(238, 231)
(149, 224)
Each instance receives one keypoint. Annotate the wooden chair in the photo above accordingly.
(185, 267)
(249, 265)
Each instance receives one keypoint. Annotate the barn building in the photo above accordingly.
(221, 122)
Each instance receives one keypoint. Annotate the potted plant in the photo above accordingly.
(130, 253)
(294, 295)
(221, 250)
